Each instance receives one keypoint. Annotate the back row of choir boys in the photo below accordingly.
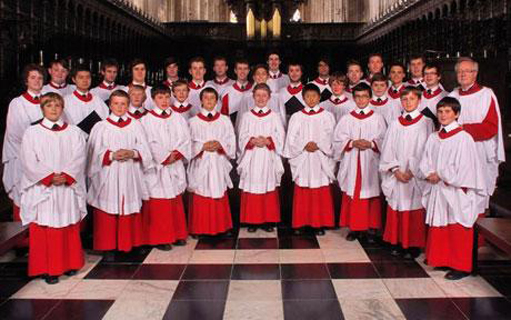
(140, 154)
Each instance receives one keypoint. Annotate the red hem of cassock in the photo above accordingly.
(209, 216)
(260, 208)
(54, 251)
(313, 207)
(164, 221)
(407, 228)
(450, 246)
(117, 232)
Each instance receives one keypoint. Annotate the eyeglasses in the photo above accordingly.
(465, 71)
(430, 73)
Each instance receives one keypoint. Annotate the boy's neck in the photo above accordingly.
(172, 78)
(198, 81)
(82, 90)
(397, 85)
(221, 78)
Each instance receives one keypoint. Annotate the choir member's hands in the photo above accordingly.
(216, 145)
(123, 155)
(209, 146)
(58, 179)
(259, 142)
(433, 178)
(362, 144)
(401, 176)
(311, 147)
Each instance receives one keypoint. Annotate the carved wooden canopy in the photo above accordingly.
(264, 8)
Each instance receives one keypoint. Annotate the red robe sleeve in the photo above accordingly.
(487, 129)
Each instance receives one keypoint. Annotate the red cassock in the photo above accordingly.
(164, 221)
(209, 216)
(260, 208)
(313, 207)
(117, 232)
(406, 228)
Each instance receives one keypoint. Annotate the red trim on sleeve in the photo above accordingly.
(225, 105)
(177, 156)
(249, 145)
(348, 148)
(487, 129)
(199, 155)
(221, 150)
(271, 146)
(139, 158)
(47, 181)
(69, 180)
(106, 158)
(375, 148)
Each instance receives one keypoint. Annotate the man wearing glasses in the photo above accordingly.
(433, 93)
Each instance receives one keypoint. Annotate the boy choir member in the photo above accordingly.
(164, 220)
(290, 98)
(240, 89)
(455, 180)
(213, 144)
(137, 96)
(433, 91)
(138, 68)
(309, 150)
(58, 71)
(221, 81)
(338, 104)
(180, 103)
(109, 71)
(197, 69)
(23, 111)
(277, 80)
(84, 109)
(380, 102)
(480, 117)
(355, 74)
(261, 140)
(53, 195)
(322, 80)
(401, 154)
(357, 142)
(374, 65)
(397, 75)
(416, 65)
(171, 68)
(118, 155)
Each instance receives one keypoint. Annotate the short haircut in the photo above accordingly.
(338, 76)
(397, 64)
(449, 102)
(325, 60)
(311, 87)
(169, 61)
(262, 86)
(353, 63)
(417, 56)
(219, 58)
(51, 97)
(62, 62)
(32, 67)
(136, 62)
(294, 64)
(241, 61)
(179, 83)
(119, 93)
(196, 59)
(160, 89)
(433, 65)
(208, 90)
(379, 77)
(136, 87)
(260, 66)
(463, 59)
(80, 68)
(362, 87)
(410, 89)
(375, 54)
(109, 62)
(273, 52)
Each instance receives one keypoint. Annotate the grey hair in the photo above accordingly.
(463, 59)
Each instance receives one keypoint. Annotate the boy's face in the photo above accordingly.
(139, 72)
(416, 66)
(295, 73)
(53, 110)
(410, 102)
(397, 74)
(82, 80)
(58, 73)
(34, 81)
(337, 87)
(354, 73)
(261, 98)
(119, 106)
(109, 74)
(431, 77)
(197, 70)
(137, 97)
(162, 100)
(361, 98)
(172, 71)
(446, 115)
(242, 70)
(375, 64)
(379, 88)
(274, 62)
(260, 76)
(323, 69)
(209, 101)
(311, 98)
(181, 92)
(220, 68)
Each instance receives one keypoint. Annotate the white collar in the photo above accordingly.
(315, 108)
(108, 84)
(274, 73)
(434, 88)
(60, 86)
(470, 87)
(206, 112)
(138, 83)
(341, 97)
(398, 88)
(172, 81)
(179, 104)
(133, 109)
(257, 109)
(197, 84)
(418, 80)
(351, 86)
(82, 93)
(161, 111)
(414, 114)
(115, 118)
(242, 84)
(49, 124)
(366, 110)
(453, 125)
(33, 94)
(383, 98)
(294, 86)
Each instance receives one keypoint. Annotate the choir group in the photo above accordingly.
(415, 164)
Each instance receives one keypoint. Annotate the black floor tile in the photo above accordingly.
(284, 232)
(113, 271)
(501, 284)
(494, 268)
(377, 244)
(79, 310)
(24, 309)
(352, 271)
(382, 255)
(257, 243)
(9, 287)
(14, 270)
(216, 243)
(400, 269)
(312, 309)
(298, 243)
(136, 256)
(304, 271)
(307, 289)
(484, 308)
(431, 309)
(159, 272)
(207, 271)
(255, 272)
(195, 309)
(201, 290)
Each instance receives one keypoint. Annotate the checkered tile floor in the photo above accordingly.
(259, 276)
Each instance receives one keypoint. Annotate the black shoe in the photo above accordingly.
(442, 269)
(319, 232)
(395, 252)
(109, 256)
(195, 237)
(70, 273)
(268, 229)
(164, 247)
(297, 232)
(412, 253)
(251, 229)
(371, 238)
(229, 234)
(352, 236)
(51, 279)
(180, 242)
(456, 275)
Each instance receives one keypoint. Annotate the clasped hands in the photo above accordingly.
(362, 144)
(211, 146)
(260, 141)
(123, 155)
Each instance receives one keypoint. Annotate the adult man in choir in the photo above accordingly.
(277, 79)
(416, 66)
(375, 65)
(480, 117)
